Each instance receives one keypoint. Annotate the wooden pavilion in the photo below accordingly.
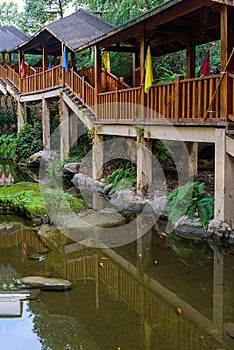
(190, 109)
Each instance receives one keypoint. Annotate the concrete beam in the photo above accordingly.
(163, 132)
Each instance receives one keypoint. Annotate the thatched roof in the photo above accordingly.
(11, 37)
(75, 30)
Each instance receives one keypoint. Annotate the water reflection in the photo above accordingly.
(129, 297)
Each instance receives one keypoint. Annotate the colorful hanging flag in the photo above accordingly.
(148, 71)
(106, 59)
(65, 59)
(14, 58)
(205, 67)
(50, 65)
(22, 69)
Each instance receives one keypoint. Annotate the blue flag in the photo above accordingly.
(50, 65)
(14, 58)
(65, 59)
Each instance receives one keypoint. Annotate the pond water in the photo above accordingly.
(157, 292)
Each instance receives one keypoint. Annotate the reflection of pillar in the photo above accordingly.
(144, 165)
(190, 156)
(218, 290)
(64, 131)
(219, 213)
(97, 156)
(96, 281)
(144, 240)
(46, 124)
(98, 201)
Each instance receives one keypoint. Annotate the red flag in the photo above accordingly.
(22, 70)
(205, 67)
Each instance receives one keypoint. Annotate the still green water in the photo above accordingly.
(161, 293)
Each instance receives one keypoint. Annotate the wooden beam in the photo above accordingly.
(227, 40)
(119, 48)
(227, 2)
(97, 72)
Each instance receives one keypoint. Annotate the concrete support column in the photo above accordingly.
(21, 118)
(144, 165)
(45, 124)
(64, 131)
(73, 130)
(219, 192)
(229, 189)
(97, 156)
(190, 158)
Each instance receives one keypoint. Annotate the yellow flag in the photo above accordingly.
(106, 59)
(148, 71)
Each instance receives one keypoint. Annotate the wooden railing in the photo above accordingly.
(181, 100)
(3, 72)
(80, 87)
(184, 100)
(13, 76)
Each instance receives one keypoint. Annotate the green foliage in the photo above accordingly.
(123, 177)
(7, 146)
(162, 152)
(29, 140)
(9, 14)
(188, 200)
(56, 200)
(37, 13)
(8, 121)
(24, 197)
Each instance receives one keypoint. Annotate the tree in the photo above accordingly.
(117, 12)
(38, 13)
(9, 14)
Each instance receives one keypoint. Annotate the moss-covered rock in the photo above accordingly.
(31, 199)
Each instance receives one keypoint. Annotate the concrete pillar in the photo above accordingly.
(144, 165)
(97, 156)
(21, 118)
(45, 124)
(229, 188)
(73, 130)
(190, 158)
(64, 131)
(219, 191)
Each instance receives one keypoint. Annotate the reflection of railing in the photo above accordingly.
(11, 238)
(179, 334)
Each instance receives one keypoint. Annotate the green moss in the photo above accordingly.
(26, 198)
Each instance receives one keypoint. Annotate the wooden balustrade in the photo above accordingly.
(3, 72)
(12, 75)
(196, 95)
(181, 100)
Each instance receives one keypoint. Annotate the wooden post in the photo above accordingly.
(142, 75)
(97, 75)
(73, 60)
(178, 97)
(44, 64)
(227, 40)
(190, 57)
